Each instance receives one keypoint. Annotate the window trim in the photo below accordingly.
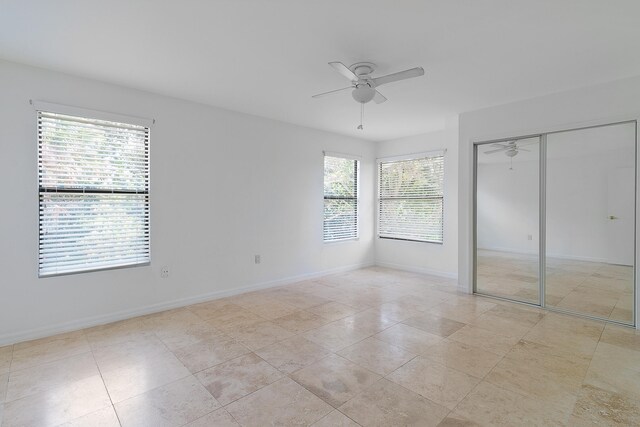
(405, 157)
(357, 159)
(48, 107)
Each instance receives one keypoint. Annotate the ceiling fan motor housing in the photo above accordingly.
(362, 69)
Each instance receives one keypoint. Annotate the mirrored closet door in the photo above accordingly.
(590, 211)
(507, 215)
(555, 220)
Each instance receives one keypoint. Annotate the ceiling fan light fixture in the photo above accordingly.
(363, 93)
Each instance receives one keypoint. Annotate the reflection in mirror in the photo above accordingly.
(590, 221)
(507, 219)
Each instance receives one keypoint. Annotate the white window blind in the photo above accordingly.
(94, 194)
(340, 198)
(411, 199)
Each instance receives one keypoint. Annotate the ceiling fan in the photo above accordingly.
(364, 86)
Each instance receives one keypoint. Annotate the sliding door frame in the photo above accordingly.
(476, 146)
(542, 217)
(542, 137)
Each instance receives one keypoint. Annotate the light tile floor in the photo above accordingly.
(592, 288)
(373, 347)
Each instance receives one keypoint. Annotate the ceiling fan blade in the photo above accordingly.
(523, 149)
(379, 98)
(344, 70)
(406, 74)
(497, 150)
(320, 95)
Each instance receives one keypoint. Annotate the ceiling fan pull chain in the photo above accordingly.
(361, 116)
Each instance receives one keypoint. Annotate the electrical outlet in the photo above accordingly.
(257, 259)
(164, 272)
(529, 237)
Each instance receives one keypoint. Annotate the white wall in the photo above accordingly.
(596, 104)
(418, 256)
(508, 206)
(225, 186)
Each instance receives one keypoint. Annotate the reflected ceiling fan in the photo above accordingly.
(510, 149)
(363, 86)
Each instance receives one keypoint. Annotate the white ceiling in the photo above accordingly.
(267, 57)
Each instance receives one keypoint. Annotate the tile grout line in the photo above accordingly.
(480, 382)
(166, 349)
(483, 379)
(522, 392)
(104, 384)
(582, 383)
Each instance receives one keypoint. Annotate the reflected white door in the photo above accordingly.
(621, 201)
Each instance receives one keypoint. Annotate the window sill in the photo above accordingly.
(410, 240)
(333, 242)
(93, 270)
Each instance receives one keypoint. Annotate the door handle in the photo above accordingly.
(613, 217)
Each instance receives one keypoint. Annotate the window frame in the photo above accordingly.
(358, 163)
(90, 114)
(379, 199)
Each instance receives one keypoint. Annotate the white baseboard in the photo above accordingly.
(87, 322)
(416, 269)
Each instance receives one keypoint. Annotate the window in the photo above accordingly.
(411, 199)
(340, 198)
(94, 194)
